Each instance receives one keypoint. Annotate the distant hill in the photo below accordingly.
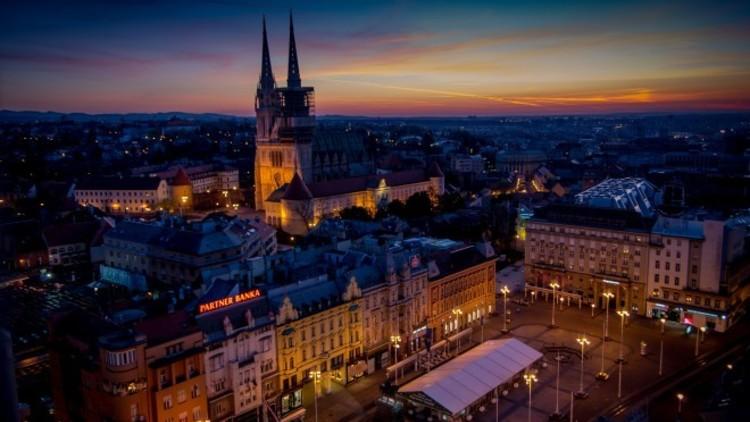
(51, 116)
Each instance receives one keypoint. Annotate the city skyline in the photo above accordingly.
(380, 60)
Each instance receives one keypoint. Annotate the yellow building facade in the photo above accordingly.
(319, 335)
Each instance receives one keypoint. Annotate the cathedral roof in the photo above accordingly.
(434, 170)
(181, 178)
(356, 184)
(297, 190)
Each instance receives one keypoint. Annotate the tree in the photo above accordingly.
(355, 213)
(418, 205)
(449, 202)
(396, 208)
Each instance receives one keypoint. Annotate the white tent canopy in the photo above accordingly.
(462, 381)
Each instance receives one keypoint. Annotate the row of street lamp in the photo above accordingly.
(582, 341)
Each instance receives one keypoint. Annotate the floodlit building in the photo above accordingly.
(293, 196)
(589, 251)
(318, 328)
(204, 178)
(131, 195)
(688, 269)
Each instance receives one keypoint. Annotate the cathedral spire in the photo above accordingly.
(293, 78)
(266, 72)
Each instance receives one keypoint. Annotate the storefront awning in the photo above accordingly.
(462, 381)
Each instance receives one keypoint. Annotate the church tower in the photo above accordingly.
(285, 125)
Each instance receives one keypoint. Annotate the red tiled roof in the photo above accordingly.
(355, 184)
(434, 170)
(181, 178)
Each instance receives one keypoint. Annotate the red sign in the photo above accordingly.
(228, 301)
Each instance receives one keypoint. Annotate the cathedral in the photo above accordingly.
(302, 174)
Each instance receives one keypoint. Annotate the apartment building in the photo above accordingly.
(175, 252)
(147, 371)
(689, 269)
(691, 264)
(589, 251)
(319, 330)
(240, 341)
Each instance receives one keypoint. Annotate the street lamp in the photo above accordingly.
(557, 414)
(457, 313)
(395, 341)
(661, 346)
(533, 296)
(602, 375)
(583, 341)
(680, 398)
(530, 380)
(554, 286)
(697, 339)
(607, 297)
(316, 378)
(593, 306)
(505, 290)
(623, 314)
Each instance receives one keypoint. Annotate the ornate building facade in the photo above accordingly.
(287, 186)
(319, 328)
(588, 252)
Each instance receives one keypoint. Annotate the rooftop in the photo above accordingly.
(119, 183)
(597, 217)
(209, 235)
(629, 193)
(465, 379)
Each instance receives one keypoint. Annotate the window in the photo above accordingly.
(124, 358)
(195, 392)
(175, 348)
(666, 279)
(656, 278)
(265, 343)
(182, 417)
(677, 266)
(181, 396)
(196, 414)
(216, 362)
(167, 402)
(656, 264)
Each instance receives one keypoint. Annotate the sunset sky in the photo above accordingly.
(379, 58)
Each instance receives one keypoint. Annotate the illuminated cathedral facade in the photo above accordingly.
(296, 184)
